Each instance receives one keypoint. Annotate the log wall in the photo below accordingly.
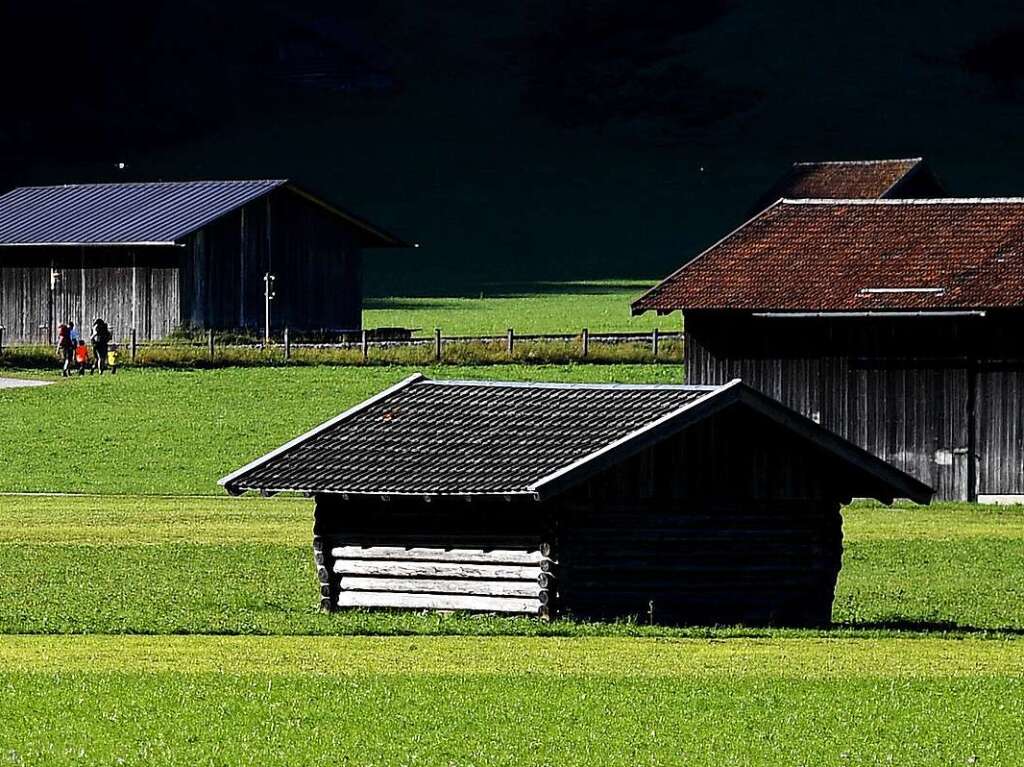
(732, 521)
(446, 555)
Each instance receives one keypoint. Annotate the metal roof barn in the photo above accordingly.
(155, 256)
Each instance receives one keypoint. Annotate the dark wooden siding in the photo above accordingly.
(733, 521)
(311, 253)
(318, 267)
(914, 392)
(1000, 397)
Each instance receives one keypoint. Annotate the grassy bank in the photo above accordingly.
(148, 431)
(243, 566)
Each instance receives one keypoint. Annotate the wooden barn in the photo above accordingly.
(681, 504)
(897, 324)
(156, 256)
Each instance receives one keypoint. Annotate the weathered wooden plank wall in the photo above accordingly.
(902, 389)
(318, 267)
(1000, 431)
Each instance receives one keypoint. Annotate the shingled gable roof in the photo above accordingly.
(858, 255)
(477, 438)
(858, 179)
(142, 214)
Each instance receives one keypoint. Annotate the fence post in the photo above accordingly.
(586, 342)
(287, 345)
(365, 341)
(654, 343)
(511, 341)
(437, 344)
(134, 344)
(209, 341)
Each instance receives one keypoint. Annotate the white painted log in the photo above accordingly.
(420, 585)
(434, 569)
(439, 602)
(423, 554)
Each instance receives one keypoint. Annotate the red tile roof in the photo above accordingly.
(867, 179)
(858, 255)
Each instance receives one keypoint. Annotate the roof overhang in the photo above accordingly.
(891, 482)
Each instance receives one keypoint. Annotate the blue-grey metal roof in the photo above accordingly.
(150, 213)
(157, 213)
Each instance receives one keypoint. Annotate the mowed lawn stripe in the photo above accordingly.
(802, 658)
(214, 718)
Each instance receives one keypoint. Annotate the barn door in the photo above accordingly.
(917, 419)
(1000, 429)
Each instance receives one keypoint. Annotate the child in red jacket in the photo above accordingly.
(81, 357)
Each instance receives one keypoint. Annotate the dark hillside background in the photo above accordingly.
(539, 140)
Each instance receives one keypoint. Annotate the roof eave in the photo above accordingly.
(379, 238)
(231, 479)
(900, 483)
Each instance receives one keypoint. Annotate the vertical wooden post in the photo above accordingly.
(586, 342)
(134, 344)
(365, 341)
(210, 342)
(654, 343)
(437, 344)
(287, 345)
(511, 341)
(2, 339)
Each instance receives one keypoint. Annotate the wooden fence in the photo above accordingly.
(438, 341)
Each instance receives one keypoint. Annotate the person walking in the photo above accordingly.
(65, 351)
(81, 357)
(100, 341)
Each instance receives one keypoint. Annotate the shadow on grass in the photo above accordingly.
(926, 627)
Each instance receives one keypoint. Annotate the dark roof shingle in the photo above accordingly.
(858, 255)
(456, 437)
(423, 437)
(864, 179)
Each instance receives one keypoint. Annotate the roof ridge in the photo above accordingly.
(569, 385)
(902, 201)
(806, 163)
(154, 183)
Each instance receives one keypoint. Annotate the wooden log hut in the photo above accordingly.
(676, 504)
(896, 323)
(155, 256)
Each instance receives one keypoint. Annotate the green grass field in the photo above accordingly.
(149, 431)
(138, 628)
(221, 565)
(561, 307)
(455, 700)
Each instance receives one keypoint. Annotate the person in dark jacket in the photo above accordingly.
(100, 341)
